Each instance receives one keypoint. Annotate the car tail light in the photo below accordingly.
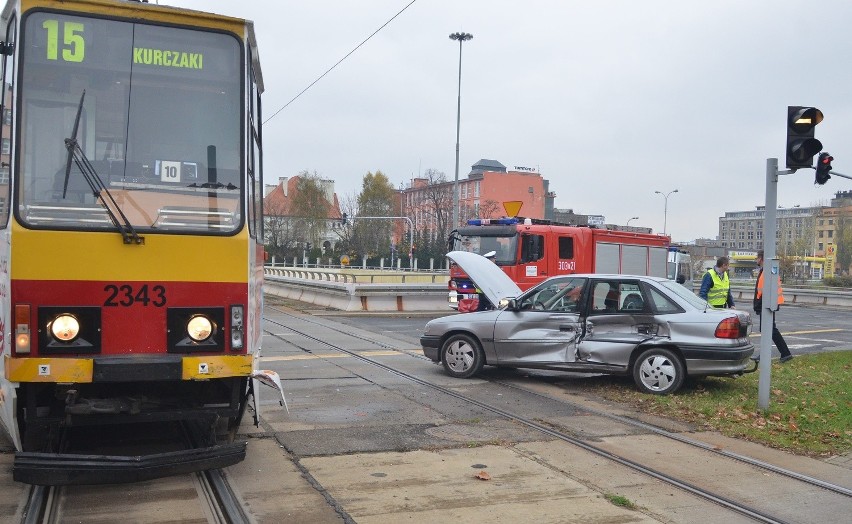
(728, 328)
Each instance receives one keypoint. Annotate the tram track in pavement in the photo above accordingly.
(218, 502)
(554, 431)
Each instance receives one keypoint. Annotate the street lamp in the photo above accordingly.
(461, 37)
(665, 206)
(631, 218)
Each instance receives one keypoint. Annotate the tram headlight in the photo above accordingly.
(199, 328)
(64, 327)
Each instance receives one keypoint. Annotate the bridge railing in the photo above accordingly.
(369, 276)
(391, 290)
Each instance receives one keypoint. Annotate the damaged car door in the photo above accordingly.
(542, 326)
(619, 318)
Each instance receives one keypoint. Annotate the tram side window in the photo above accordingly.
(255, 182)
(6, 133)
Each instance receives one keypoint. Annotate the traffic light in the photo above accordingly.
(801, 144)
(344, 218)
(823, 168)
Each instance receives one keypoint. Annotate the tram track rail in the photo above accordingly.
(727, 502)
(218, 500)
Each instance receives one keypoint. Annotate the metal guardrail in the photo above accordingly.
(367, 276)
(393, 290)
(840, 297)
(360, 291)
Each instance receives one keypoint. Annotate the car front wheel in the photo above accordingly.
(462, 356)
(658, 371)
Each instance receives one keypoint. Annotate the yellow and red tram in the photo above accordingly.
(130, 215)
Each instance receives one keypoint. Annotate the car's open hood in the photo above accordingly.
(486, 275)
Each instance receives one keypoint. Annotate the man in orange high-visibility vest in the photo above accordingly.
(777, 339)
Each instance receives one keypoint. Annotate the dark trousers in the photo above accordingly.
(777, 339)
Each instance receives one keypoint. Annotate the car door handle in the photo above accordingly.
(566, 328)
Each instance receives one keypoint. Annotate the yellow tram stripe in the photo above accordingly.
(57, 255)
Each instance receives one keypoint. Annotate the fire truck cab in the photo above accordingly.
(531, 250)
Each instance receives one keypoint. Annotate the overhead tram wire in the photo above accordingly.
(339, 62)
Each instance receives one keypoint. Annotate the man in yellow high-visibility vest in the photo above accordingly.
(716, 286)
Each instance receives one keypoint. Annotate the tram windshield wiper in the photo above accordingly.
(96, 183)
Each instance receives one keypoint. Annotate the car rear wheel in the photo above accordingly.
(462, 356)
(658, 371)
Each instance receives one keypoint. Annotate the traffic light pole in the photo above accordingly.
(770, 282)
(835, 173)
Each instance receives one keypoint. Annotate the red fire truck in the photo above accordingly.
(531, 250)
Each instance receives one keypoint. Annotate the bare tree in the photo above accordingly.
(489, 209)
(280, 234)
(348, 209)
(843, 241)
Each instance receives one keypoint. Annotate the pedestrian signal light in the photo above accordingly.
(823, 168)
(801, 144)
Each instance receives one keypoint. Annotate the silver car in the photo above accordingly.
(654, 329)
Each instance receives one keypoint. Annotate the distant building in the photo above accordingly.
(481, 195)
(809, 234)
(280, 217)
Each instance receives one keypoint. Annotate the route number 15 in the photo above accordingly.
(73, 44)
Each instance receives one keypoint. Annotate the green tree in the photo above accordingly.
(310, 209)
(376, 199)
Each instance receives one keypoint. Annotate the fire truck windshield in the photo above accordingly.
(506, 246)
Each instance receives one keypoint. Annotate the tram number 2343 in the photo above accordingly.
(126, 295)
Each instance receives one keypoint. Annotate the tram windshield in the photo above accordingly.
(159, 124)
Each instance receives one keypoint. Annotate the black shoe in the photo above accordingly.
(788, 358)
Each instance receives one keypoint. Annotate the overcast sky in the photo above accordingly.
(610, 100)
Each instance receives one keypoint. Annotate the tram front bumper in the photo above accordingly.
(61, 469)
(127, 368)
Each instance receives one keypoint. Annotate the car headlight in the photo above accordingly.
(65, 327)
(199, 328)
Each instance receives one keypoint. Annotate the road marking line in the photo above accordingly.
(383, 353)
(833, 330)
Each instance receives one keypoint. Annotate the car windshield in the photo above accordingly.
(556, 294)
(684, 293)
(159, 125)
